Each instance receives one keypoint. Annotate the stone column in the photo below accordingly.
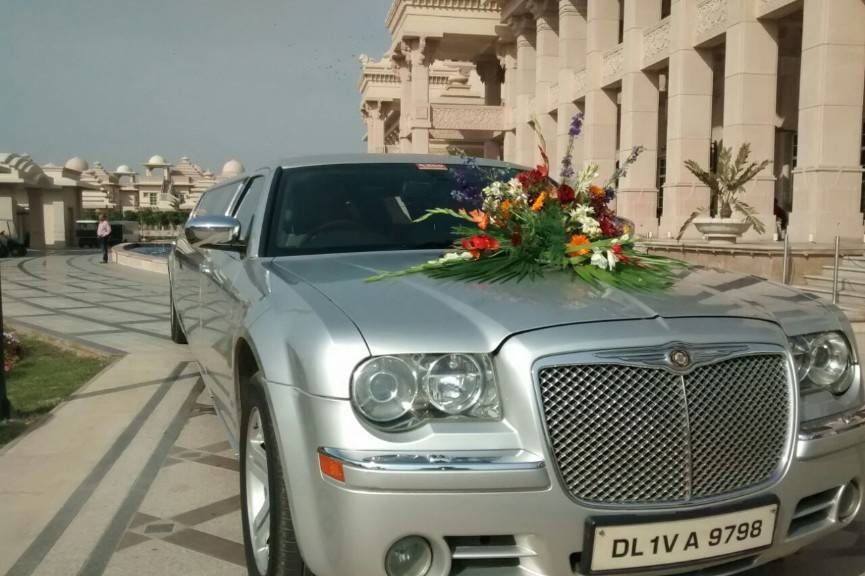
(750, 91)
(572, 57)
(403, 67)
(689, 122)
(372, 111)
(490, 72)
(546, 13)
(827, 179)
(507, 54)
(638, 197)
(421, 56)
(525, 136)
(599, 133)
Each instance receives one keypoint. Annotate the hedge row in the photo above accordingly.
(146, 217)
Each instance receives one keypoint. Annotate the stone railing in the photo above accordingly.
(711, 18)
(466, 5)
(613, 65)
(467, 117)
(656, 42)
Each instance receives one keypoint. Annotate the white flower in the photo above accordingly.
(599, 260)
(611, 259)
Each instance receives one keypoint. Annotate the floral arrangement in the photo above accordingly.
(523, 227)
(12, 351)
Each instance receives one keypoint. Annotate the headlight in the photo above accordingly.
(823, 361)
(384, 389)
(399, 392)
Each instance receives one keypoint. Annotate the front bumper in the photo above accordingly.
(471, 517)
(502, 510)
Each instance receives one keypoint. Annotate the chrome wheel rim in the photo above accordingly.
(257, 491)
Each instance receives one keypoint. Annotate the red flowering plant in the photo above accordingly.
(530, 224)
(12, 351)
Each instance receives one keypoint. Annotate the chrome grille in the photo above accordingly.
(628, 434)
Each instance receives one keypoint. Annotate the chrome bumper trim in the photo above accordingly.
(831, 435)
(491, 552)
(503, 470)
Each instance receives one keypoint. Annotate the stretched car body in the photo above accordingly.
(649, 433)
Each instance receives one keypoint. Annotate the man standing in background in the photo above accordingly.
(103, 232)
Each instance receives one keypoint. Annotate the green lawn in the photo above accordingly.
(43, 378)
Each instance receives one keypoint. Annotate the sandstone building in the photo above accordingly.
(787, 76)
(40, 204)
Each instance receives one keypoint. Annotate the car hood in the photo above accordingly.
(419, 314)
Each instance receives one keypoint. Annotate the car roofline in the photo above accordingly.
(343, 159)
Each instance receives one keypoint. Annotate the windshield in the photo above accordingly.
(366, 207)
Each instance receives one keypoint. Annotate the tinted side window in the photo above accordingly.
(215, 201)
(245, 213)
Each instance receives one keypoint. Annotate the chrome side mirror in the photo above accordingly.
(215, 232)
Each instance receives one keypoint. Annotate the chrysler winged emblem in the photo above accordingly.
(679, 358)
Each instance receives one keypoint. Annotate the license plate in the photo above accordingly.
(652, 544)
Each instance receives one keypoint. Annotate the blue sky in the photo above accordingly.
(120, 80)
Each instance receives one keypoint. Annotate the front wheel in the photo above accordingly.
(268, 533)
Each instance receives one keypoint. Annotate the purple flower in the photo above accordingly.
(576, 125)
(567, 167)
(609, 193)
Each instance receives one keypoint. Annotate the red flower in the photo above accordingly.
(617, 249)
(566, 194)
(480, 243)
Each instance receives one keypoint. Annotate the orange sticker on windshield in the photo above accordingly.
(431, 167)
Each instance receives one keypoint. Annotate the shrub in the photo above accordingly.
(12, 351)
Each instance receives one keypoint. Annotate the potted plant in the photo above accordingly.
(726, 183)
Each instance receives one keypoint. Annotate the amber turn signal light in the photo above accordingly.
(331, 467)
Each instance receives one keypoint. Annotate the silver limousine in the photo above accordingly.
(418, 427)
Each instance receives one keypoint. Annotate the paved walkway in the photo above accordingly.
(133, 475)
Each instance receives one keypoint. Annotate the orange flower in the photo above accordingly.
(505, 208)
(597, 191)
(576, 240)
(539, 202)
(482, 219)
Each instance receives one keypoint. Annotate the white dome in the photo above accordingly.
(77, 164)
(232, 168)
(123, 169)
(157, 160)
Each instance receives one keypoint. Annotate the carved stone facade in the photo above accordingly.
(785, 76)
(40, 204)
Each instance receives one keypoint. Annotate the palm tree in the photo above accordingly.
(726, 182)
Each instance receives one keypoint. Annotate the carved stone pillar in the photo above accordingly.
(507, 54)
(827, 179)
(524, 28)
(638, 197)
(421, 51)
(546, 13)
(572, 57)
(601, 110)
(750, 112)
(491, 74)
(373, 114)
(403, 66)
(689, 122)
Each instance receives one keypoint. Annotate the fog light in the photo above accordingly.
(849, 501)
(411, 556)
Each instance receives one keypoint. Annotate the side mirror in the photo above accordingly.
(215, 232)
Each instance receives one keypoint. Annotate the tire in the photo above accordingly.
(282, 557)
(177, 335)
